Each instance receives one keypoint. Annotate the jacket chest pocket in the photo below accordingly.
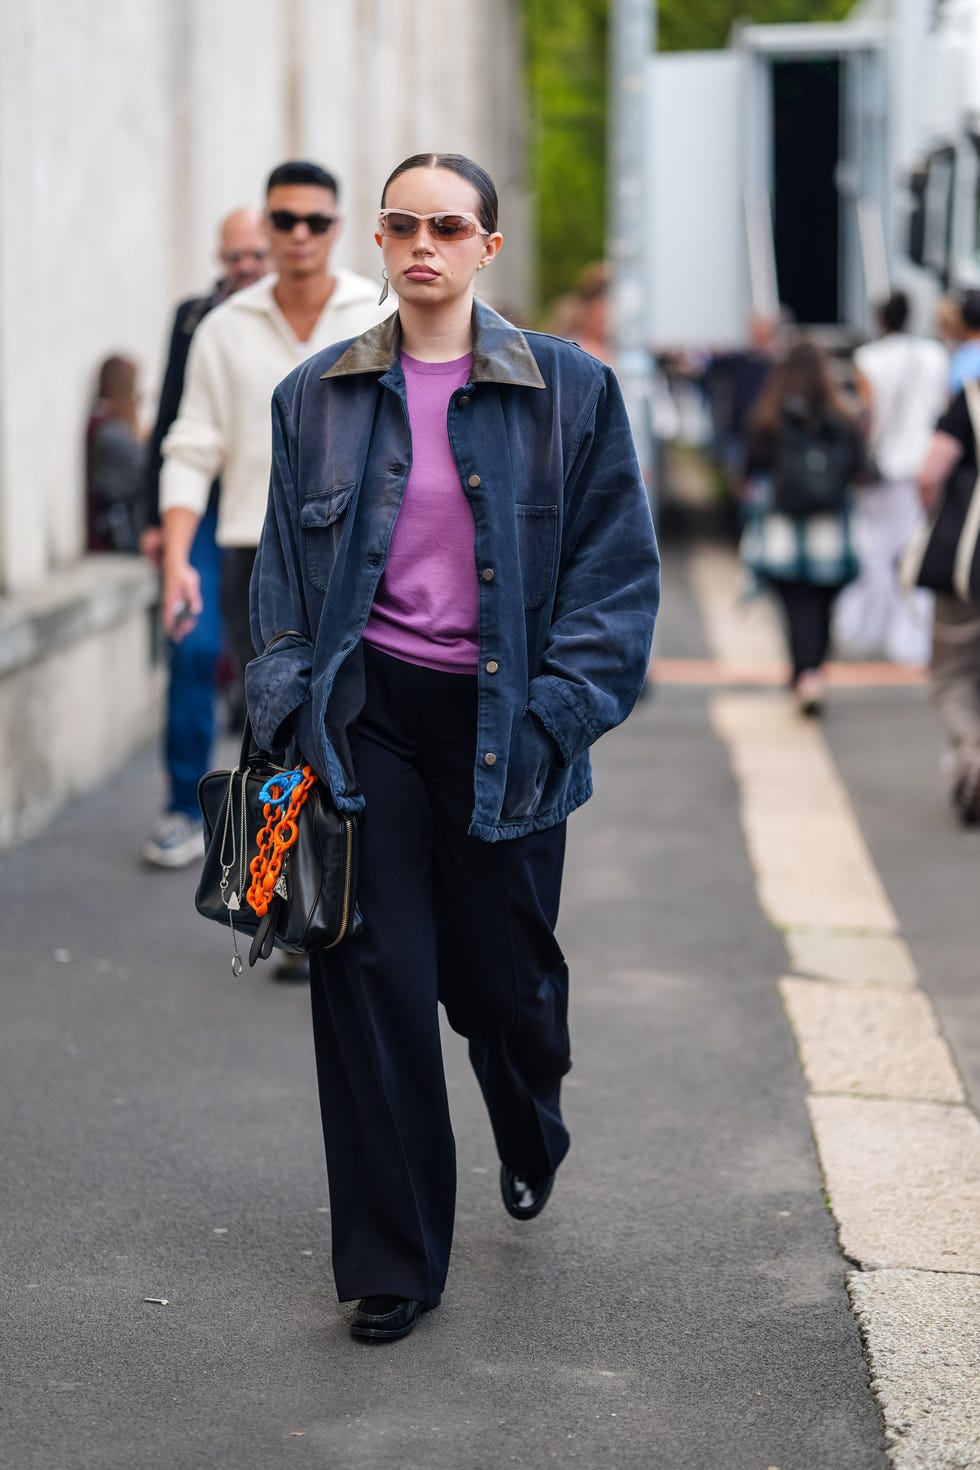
(537, 545)
(319, 520)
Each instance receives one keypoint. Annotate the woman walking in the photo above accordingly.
(803, 452)
(459, 538)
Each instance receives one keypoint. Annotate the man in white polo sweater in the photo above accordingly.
(240, 352)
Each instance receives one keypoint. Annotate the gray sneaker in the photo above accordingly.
(177, 840)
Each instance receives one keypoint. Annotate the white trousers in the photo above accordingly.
(874, 616)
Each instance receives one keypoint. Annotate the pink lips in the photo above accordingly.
(421, 273)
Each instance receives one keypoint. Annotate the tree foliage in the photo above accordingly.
(566, 49)
(566, 55)
(705, 25)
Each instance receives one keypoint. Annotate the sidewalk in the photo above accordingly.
(892, 1098)
(681, 1304)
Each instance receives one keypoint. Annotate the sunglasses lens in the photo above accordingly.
(399, 226)
(285, 221)
(452, 227)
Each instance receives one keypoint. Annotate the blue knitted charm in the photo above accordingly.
(286, 783)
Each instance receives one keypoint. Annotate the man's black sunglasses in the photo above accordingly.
(285, 221)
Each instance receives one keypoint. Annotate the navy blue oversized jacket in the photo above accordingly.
(565, 560)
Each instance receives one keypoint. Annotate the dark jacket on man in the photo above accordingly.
(187, 318)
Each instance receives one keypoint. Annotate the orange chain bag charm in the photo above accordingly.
(280, 861)
(277, 836)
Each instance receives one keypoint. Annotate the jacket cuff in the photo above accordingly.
(304, 735)
(277, 699)
(560, 716)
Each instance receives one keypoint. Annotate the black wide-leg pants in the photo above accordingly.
(449, 918)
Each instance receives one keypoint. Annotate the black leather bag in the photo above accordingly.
(944, 554)
(313, 905)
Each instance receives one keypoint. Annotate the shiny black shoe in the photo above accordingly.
(525, 1195)
(383, 1318)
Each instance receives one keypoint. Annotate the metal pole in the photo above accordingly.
(632, 38)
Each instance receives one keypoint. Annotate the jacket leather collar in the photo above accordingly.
(500, 352)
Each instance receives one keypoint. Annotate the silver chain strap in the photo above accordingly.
(234, 848)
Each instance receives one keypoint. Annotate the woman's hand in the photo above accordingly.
(532, 755)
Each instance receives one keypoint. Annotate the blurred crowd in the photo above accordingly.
(855, 480)
(853, 474)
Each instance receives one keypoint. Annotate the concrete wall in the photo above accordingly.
(128, 128)
(80, 684)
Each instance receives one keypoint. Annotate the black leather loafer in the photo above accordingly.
(383, 1318)
(525, 1195)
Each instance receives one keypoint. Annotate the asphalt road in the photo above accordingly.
(679, 1304)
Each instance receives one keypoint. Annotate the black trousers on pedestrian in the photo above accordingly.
(807, 610)
(236, 575)
(449, 918)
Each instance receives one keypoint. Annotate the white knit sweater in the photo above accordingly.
(238, 354)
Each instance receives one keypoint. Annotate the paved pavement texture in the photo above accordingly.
(683, 1301)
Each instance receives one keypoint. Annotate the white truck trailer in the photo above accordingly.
(816, 166)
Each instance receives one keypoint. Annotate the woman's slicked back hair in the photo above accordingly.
(457, 163)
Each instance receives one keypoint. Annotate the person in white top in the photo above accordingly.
(902, 381)
(240, 352)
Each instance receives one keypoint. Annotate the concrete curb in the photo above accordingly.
(921, 1333)
(899, 1146)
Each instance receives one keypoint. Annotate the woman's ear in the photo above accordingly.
(490, 247)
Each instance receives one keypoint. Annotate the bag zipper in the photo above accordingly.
(348, 881)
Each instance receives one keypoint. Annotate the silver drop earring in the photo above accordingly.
(384, 289)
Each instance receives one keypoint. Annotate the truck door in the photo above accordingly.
(815, 136)
(806, 148)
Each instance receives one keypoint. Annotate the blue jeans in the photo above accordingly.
(190, 700)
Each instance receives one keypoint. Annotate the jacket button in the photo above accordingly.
(487, 574)
(489, 759)
(464, 401)
(491, 666)
(473, 481)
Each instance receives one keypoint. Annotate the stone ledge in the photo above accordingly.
(72, 605)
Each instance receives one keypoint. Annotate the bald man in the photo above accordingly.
(177, 839)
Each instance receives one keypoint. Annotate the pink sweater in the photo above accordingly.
(426, 607)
